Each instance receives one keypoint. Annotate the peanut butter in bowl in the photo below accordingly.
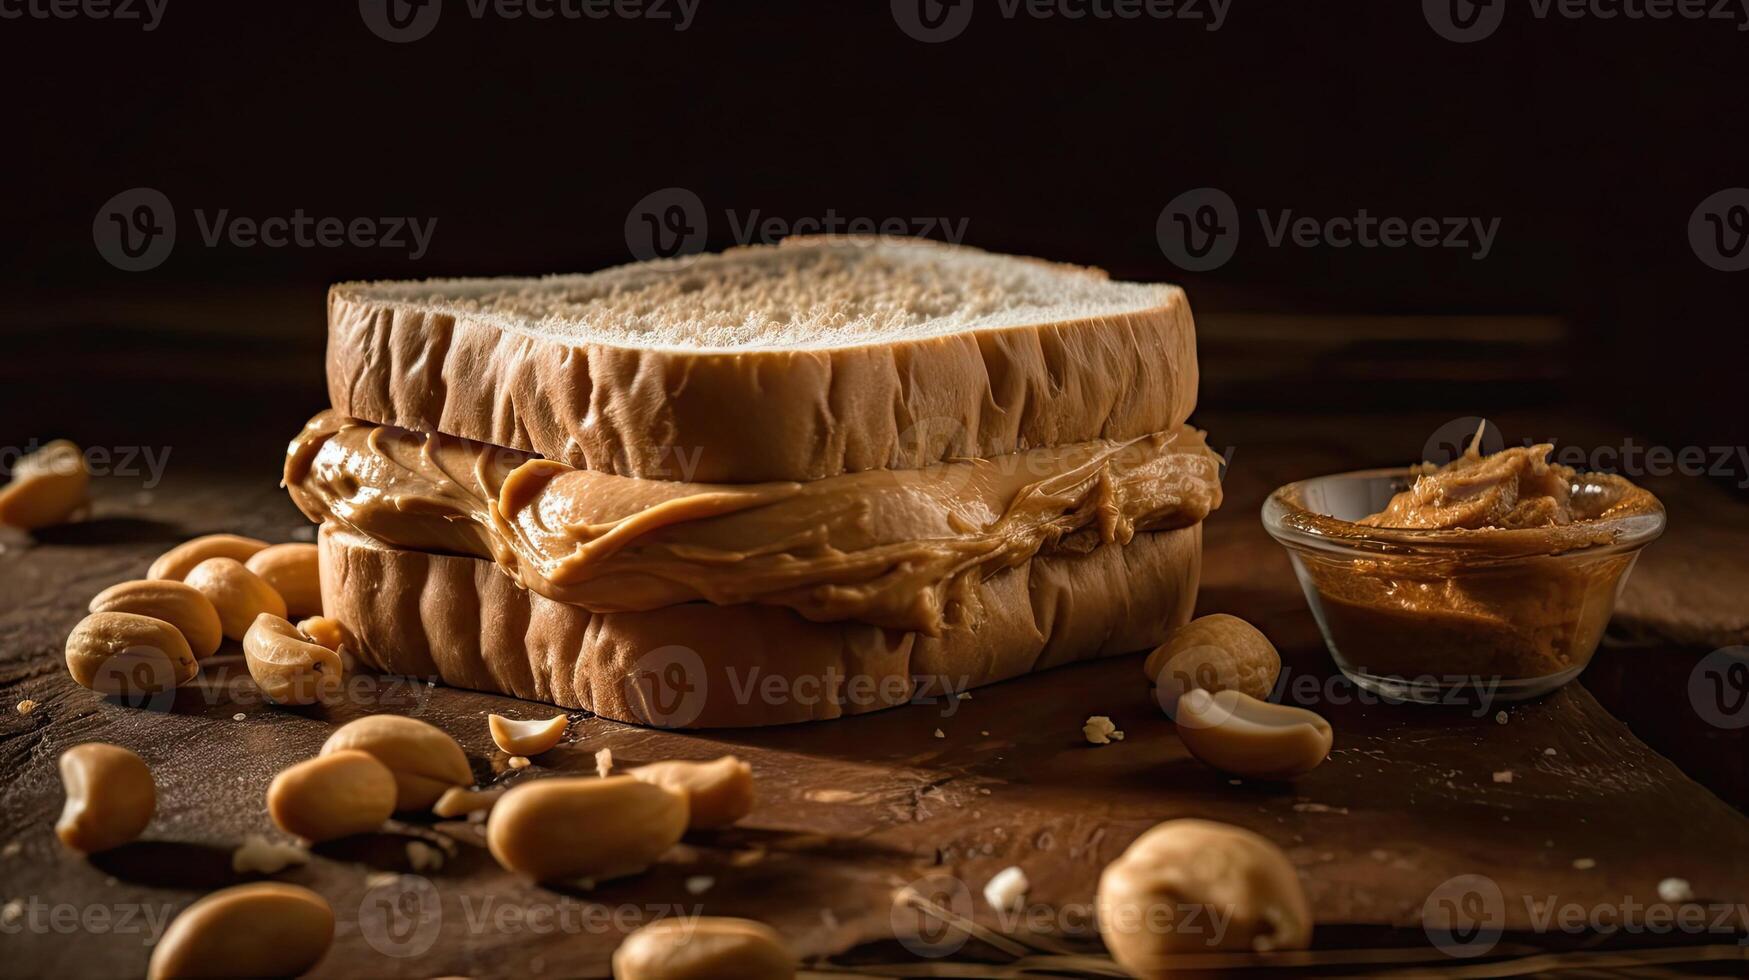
(1491, 578)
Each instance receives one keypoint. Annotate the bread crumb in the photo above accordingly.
(11, 849)
(239, 716)
(1499, 717)
(1503, 776)
(26, 706)
(603, 762)
(940, 734)
(12, 911)
(423, 857)
(965, 695)
(699, 884)
(1584, 864)
(258, 855)
(519, 762)
(377, 879)
(1548, 751)
(1099, 730)
(984, 733)
(1007, 890)
(1675, 890)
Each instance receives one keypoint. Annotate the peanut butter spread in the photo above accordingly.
(896, 548)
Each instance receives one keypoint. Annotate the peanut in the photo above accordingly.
(180, 560)
(265, 929)
(1235, 732)
(704, 948)
(128, 654)
(47, 487)
(177, 603)
(291, 570)
(580, 827)
(526, 737)
(1212, 653)
(238, 594)
(331, 633)
(424, 759)
(1206, 867)
(288, 666)
(333, 795)
(718, 793)
(459, 801)
(110, 797)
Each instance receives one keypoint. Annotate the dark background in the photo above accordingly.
(529, 141)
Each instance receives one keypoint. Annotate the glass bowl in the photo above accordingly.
(1454, 616)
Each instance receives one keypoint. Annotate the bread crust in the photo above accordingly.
(762, 415)
(461, 621)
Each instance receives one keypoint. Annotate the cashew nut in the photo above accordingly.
(177, 603)
(1158, 900)
(128, 654)
(238, 594)
(331, 633)
(333, 795)
(180, 560)
(291, 570)
(110, 797)
(288, 666)
(1212, 653)
(704, 948)
(47, 487)
(718, 793)
(265, 929)
(526, 737)
(424, 759)
(584, 828)
(1237, 733)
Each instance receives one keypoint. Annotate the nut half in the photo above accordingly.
(1157, 902)
(266, 929)
(128, 654)
(291, 570)
(238, 594)
(1212, 653)
(288, 666)
(574, 827)
(334, 795)
(704, 948)
(424, 759)
(110, 797)
(527, 737)
(177, 603)
(180, 560)
(1237, 733)
(718, 793)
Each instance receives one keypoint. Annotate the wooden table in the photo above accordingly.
(851, 812)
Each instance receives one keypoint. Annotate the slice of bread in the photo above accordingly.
(461, 621)
(803, 360)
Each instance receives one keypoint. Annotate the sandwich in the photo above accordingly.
(775, 484)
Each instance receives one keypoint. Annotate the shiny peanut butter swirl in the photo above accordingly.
(897, 548)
